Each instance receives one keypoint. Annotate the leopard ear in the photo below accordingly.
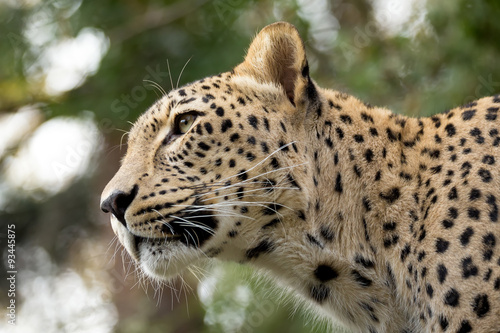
(277, 55)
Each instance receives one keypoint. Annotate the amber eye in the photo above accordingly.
(184, 122)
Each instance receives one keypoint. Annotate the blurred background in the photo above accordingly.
(74, 74)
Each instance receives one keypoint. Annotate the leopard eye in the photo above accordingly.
(184, 122)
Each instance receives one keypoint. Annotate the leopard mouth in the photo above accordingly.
(190, 229)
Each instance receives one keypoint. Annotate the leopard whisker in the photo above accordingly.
(192, 224)
(170, 75)
(182, 71)
(238, 184)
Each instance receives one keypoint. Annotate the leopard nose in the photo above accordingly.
(118, 202)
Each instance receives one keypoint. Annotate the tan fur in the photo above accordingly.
(359, 210)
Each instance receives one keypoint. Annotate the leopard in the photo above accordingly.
(376, 220)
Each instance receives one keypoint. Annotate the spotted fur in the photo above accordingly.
(387, 223)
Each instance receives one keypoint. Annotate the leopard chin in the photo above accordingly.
(159, 258)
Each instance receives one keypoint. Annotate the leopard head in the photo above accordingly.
(215, 166)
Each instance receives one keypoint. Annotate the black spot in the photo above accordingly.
(220, 111)
(389, 226)
(203, 146)
(340, 132)
(447, 224)
(325, 273)
(487, 275)
(442, 273)
(429, 290)
(270, 224)
(371, 312)
(265, 246)
(465, 327)
(481, 305)
(450, 130)
(274, 163)
(226, 124)
(292, 181)
(373, 131)
(329, 142)
(234, 137)
(338, 183)
(437, 169)
(360, 279)
(489, 242)
(443, 322)
(283, 146)
(468, 268)
(369, 155)
(346, 119)
(452, 297)
(366, 263)
(390, 135)
(318, 111)
(314, 241)
(320, 293)
(391, 195)
(326, 233)
(242, 175)
(357, 170)
(493, 213)
(491, 114)
(466, 235)
(474, 194)
(241, 101)
(405, 252)
(251, 140)
(358, 138)
(208, 128)
(367, 204)
(366, 117)
(473, 213)
(253, 121)
(265, 148)
(442, 245)
(365, 227)
(488, 159)
(467, 115)
(250, 156)
(485, 175)
(452, 195)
